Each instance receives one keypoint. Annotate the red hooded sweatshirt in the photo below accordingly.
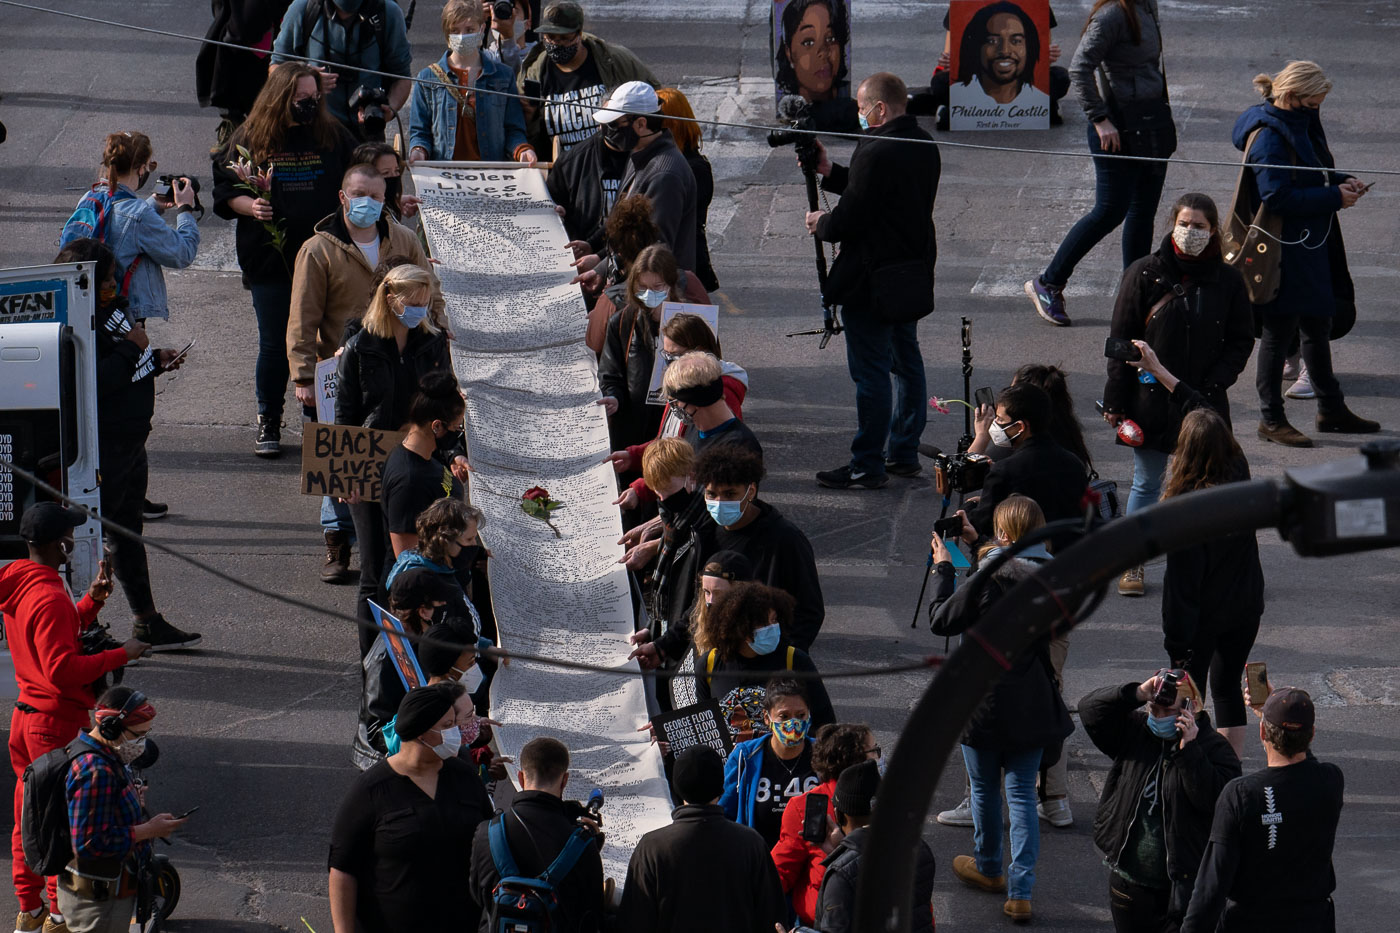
(42, 627)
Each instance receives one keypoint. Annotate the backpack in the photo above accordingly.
(528, 905)
(89, 219)
(371, 12)
(714, 656)
(44, 830)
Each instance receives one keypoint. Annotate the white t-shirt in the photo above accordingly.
(371, 251)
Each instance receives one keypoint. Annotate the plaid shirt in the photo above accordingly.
(102, 806)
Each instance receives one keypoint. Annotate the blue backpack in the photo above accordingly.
(528, 905)
(89, 219)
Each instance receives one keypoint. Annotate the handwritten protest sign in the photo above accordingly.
(701, 724)
(325, 390)
(338, 459)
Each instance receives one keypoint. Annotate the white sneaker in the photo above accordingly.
(1056, 812)
(1303, 388)
(961, 815)
(1292, 368)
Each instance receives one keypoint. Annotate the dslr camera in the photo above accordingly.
(961, 472)
(165, 189)
(97, 639)
(797, 114)
(367, 104)
(1167, 689)
(502, 10)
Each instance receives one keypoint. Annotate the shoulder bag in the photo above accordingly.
(1146, 128)
(1252, 234)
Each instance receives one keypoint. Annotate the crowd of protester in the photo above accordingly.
(772, 834)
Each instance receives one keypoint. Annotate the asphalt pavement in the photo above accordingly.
(255, 724)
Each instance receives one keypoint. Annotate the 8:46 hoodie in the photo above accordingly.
(42, 626)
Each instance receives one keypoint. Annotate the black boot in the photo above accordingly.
(337, 568)
(161, 635)
(1346, 421)
(269, 443)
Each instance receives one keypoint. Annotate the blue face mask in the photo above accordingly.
(1163, 727)
(651, 297)
(725, 512)
(413, 315)
(864, 123)
(364, 212)
(765, 638)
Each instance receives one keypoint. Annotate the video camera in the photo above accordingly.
(961, 472)
(368, 103)
(165, 189)
(797, 114)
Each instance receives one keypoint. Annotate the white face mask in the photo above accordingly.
(131, 749)
(451, 743)
(999, 435)
(462, 41)
(651, 297)
(1191, 240)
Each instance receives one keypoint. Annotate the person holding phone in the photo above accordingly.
(1169, 767)
(1191, 307)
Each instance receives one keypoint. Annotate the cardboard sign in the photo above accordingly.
(325, 391)
(701, 724)
(338, 459)
(670, 309)
(405, 661)
(1000, 68)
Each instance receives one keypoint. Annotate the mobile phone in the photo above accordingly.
(1369, 187)
(185, 349)
(1116, 348)
(186, 813)
(1098, 405)
(985, 396)
(949, 527)
(1256, 675)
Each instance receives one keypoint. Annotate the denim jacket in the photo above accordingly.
(137, 229)
(500, 122)
(741, 773)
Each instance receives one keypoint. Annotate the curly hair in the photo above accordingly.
(728, 465)
(440, 524)
(1287, 742)
(840, 745)
(737, 614)
(630, 228)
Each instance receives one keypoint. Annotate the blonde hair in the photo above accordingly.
(1296, 81)
(407, 279)
(694, 369)
(1015, 517)
(665, 460)
(454, 11)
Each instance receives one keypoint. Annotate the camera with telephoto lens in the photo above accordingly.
(961, 472)
(1167, 689)
(502, 9)
(97, 639)
(797, 114)
(368, 104)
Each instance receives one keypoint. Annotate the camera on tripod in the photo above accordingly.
(961, 472)
(369, 103)
(797, 114)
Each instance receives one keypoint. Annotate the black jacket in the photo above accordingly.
(734, 673)
(576, 184)
(704, 194)
(660, 172)
(1041, 469)
(1024, 709)
(782, 557)
(1192, 779)
(624, 372)
(549, 824)
(372, 376)
(836, 901)
(124, 407)
(702, 873)
(1203, 337)
(885, 214)
(231, 78)
(380, 697)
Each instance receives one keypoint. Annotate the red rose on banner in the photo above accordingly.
(535, 502)
(536, 493)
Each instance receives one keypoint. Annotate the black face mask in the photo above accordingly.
(448, 442)
(304, 111)
(467, 557)
(141, 179)
(561, 54)
(621, 136)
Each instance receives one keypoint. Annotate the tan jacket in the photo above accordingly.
(332, 285)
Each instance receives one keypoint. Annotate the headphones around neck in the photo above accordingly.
(112, 726)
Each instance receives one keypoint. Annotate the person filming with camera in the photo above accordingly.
(884, 223)
(1169, 767)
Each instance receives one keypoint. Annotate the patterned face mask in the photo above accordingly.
(792, 731)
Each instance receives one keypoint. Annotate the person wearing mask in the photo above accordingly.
(55, 678)
(451, 121)
(584, 185)
(386, 161)
(448, 653)
(686, 132)
(296, 156)
(854, 805)
(803, 845)
(1287, 130)
(766, 772)
(1020, 728)
(1268, 862)
(630, 346)
(1038, 467)
(359, 38)
(698, 397)
(780, 553)
(668, 467)
(1169, 767)
(107, 823)
(538, 824)
(418, 599)
(398, 344)
(570, 72)
(884, 219)
(1193, 309)
(416, 474)
(742, 644)
(397, 851)
(1122, 45)
(127, 367)
(510, 38)
(676, 871)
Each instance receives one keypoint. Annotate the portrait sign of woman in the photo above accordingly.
(810, 38)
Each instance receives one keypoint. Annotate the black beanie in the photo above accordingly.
(700, 396)
(728, 565)
(420, 710)
(698, 775)
(443, 645)
(856, 788)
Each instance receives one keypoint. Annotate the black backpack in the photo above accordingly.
(44, 830)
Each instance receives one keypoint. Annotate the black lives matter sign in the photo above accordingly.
(341, 459)
(701, 724)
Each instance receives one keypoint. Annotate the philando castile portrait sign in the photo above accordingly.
(341, 459)
(1000, 65)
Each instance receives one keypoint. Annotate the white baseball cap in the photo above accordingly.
(629, 97)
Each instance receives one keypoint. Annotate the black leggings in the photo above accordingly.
(1219, 658)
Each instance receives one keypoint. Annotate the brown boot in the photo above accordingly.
(1281, 432)
(1346, 421)
(337, 568)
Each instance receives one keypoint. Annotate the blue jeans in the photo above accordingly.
(1149, 468)
(272, 304)
(874, 352)
(335, 516)
(1125, 193)
(984, 767)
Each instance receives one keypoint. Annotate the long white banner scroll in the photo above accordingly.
(531, 385)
